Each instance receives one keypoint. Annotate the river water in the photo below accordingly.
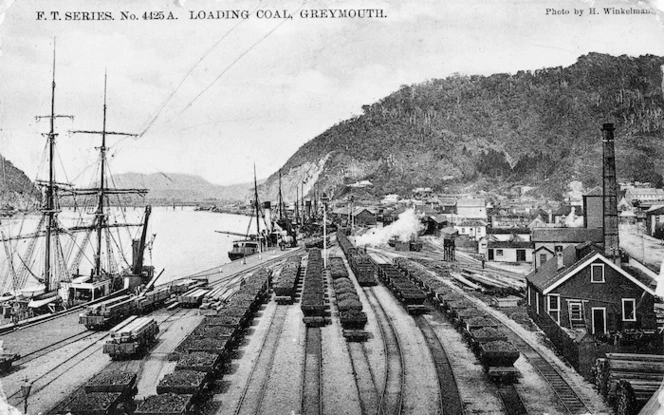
(185, 240)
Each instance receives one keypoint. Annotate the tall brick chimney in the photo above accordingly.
(610, 195)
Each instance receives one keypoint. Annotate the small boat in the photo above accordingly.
(243, 248)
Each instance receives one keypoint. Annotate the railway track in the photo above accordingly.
(260, 371)
(48, 377)
(42, 381)
(28, 357)
(391, 397)
(450, 400)
(312, 376)
(565, 393)
(562, 389)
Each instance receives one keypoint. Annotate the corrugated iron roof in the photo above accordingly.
(568, 235)
(509, 244)
(471, 203)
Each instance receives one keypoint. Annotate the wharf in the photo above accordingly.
(58, 330)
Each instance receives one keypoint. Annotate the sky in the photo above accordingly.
(211, 97)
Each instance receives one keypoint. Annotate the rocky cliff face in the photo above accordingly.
(538, 128)
(16, 190)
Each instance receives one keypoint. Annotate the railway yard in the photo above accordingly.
(369, 334)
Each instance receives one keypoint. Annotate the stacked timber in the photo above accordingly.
(154, 298)
(183, 286)
(492, 283)
(286, 281)
(313, 293)
(193, 297)
(216, 297)
(107, 312)
(131, 337)
(627, 381)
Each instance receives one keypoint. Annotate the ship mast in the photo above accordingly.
(49, 208)
(102, 191)
(281, 200)
(258, 226)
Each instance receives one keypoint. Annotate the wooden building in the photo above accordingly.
(510, 251)
(582, 289)
(548, 240)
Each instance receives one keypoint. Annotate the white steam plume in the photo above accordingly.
(406, 227)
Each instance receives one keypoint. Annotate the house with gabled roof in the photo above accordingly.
(474, 228)
(582, 289)
(548, 240)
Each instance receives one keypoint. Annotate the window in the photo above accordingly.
(463, 230)
(499, 252)
(628, 309)
(537, 301)
(542, 258)
(554, 307)
(597, 273)
(575, 311)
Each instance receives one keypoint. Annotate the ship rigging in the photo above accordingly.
(59, 284)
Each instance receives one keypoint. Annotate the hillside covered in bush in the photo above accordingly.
(539, 128)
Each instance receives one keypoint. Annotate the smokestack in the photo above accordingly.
(610, 195)
(267, 209)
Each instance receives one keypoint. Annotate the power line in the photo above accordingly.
(177, 88)
(237, 59)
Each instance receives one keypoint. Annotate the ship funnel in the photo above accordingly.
(267, 210)
(307, 208)
(610, 195)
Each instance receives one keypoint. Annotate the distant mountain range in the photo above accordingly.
(539, 129)
(487, 133)
(177, 187)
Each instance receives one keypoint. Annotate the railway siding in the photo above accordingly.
(574, 395)
(421, 392)
(340, 391)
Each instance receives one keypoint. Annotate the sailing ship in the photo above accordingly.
(28, 289)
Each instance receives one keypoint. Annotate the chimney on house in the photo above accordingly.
(559, 257)
(610, 195)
